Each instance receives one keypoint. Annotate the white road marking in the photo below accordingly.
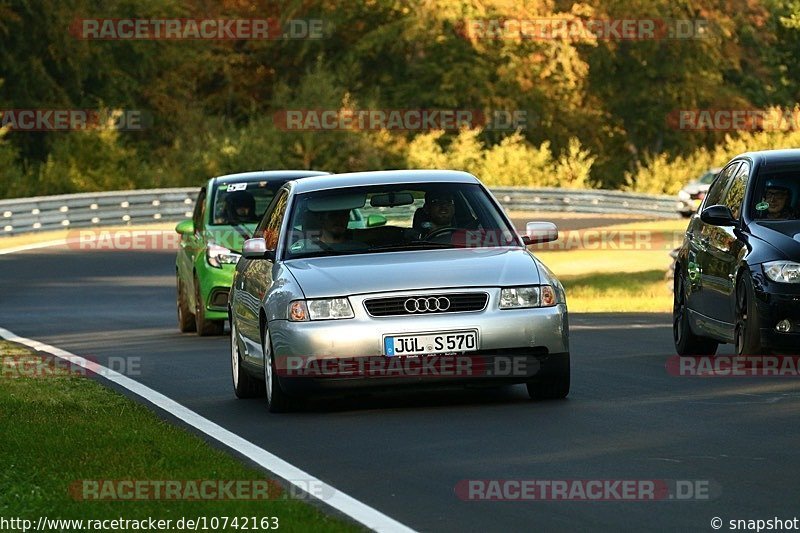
(340, 501)
(34, 246)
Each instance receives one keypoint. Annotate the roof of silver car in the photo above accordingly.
(382, 177)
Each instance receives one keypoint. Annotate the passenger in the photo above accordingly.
(327, 230)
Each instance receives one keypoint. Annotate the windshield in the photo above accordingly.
(383, 218)
(242, 202)
(777, 193)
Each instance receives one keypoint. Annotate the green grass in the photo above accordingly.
(59, 428)
(645, 291)
(621, 281)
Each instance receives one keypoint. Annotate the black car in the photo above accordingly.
(737, 275)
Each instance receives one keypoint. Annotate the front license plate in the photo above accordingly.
(432, 343)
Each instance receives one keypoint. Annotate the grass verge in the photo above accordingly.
(635, 292)
(74, 233)
(58, 428)
(619, 280)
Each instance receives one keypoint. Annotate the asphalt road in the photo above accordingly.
(403, 454)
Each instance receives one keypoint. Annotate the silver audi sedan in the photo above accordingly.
(431, 286)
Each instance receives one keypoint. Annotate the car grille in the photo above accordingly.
(427, 304)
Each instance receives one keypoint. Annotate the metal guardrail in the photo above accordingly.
(587, 201)
(42, 213)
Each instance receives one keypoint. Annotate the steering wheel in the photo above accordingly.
(325, 246)
(441, 231)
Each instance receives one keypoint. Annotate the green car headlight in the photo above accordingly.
(219, 255)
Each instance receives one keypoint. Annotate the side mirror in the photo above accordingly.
(373, 221)
(540, 232)
(186, 227)
(717, 215)
(257, 249)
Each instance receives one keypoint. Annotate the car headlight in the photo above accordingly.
(783, 271)
(327, 309)
(533, 296)
(219, 255)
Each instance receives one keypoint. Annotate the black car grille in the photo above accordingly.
(427, 304)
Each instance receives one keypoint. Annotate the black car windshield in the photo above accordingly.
(777, 193)
(384, 218)
(242, 202)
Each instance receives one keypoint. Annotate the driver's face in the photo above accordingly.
(776, 199)
(441, 210)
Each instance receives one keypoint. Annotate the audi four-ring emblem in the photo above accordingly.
(427, 305)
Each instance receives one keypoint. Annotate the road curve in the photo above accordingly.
(403, 454)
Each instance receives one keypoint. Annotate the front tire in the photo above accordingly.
(244, 385)
(555, 385)
(277, 400)
(748, 332)
(205, 327)
(186, 323)
(686, 342)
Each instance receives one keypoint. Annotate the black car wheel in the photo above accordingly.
(186, 323)
(748, 333)
(277, 400)
(205, 327)
(554, 386)
(686, 342)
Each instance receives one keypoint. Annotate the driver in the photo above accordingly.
(779, 199)
(240, 207)
(439, 210)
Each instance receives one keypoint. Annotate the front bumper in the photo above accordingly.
(342, 353)
(215, 284)
(780, 307)
(777, 302)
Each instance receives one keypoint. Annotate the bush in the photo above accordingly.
(14, 182)
(665, 174)
(94, 160)
(512, 162)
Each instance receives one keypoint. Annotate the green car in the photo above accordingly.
(226, 213)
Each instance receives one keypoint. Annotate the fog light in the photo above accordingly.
(784, 326)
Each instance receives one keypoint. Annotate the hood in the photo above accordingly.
(782, 235)
(229, 236)
(321, 277)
